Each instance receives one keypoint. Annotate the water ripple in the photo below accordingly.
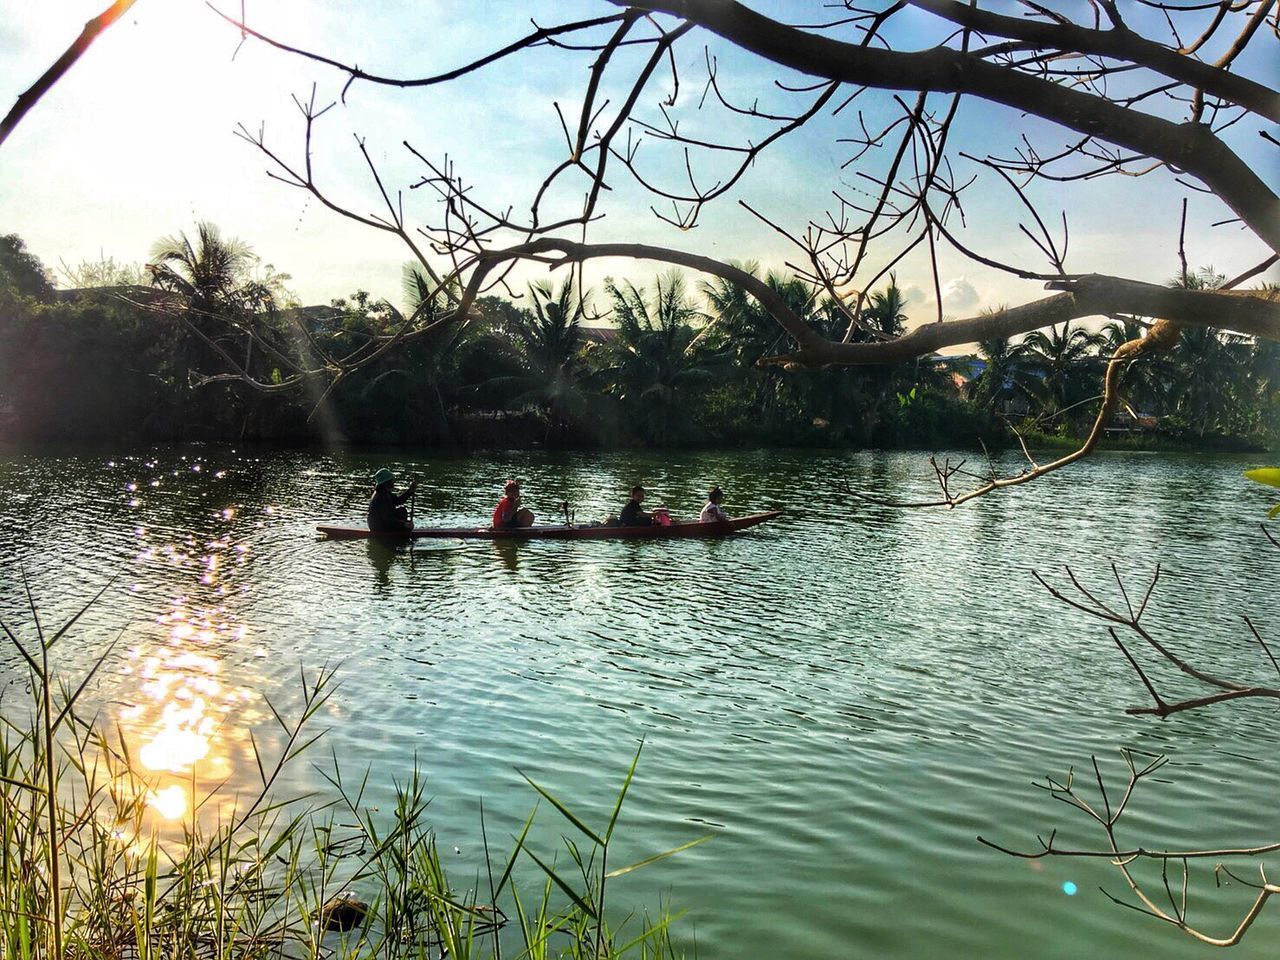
(845, 697)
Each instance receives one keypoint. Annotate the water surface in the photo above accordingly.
(845, 697)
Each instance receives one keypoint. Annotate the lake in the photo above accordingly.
(845, 698)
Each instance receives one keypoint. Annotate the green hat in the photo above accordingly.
(383, 476)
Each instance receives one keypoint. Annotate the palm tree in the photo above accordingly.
(1264, 374)
(1209, 385)
(552, 335)
(739, 320)
(214, 278)
(660, 351)
(883, 316)
(1204, 278)
(1146, 380)
(1063, 358)
(884, 313)
(542, 349)
(1006, 375)
(1119, 332)
(222, 302)
(842, 397)
(742, 324)
(428, 363)
(741, 327)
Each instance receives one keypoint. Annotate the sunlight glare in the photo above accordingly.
(170, 803)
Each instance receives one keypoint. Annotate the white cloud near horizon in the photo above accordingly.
(959, 294)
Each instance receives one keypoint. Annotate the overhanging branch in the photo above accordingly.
(1255, 313)
(1119, 44)
(1190, 147)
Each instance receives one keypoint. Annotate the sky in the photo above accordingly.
(138, 142)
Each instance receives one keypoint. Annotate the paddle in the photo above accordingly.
(413, 497)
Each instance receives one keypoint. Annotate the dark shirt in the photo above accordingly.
(631, 516)
(383, 512)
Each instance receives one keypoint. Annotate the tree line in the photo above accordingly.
(144, 353)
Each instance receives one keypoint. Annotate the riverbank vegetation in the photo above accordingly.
(152, 352)
(97, 863)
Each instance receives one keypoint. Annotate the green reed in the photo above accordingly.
(82, 876)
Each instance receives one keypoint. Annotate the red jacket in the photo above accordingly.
(503, 512)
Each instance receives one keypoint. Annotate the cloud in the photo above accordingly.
(959, 294)
(915, 295)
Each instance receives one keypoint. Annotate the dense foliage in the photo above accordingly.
(667, 365)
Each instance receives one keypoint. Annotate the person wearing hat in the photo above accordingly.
(508, 514)
(386, 513)
(712, 513)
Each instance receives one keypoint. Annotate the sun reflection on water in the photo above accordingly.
(170, 803)
(185, 722)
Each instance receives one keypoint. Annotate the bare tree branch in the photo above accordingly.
(1190, 147)
(1121, 44)
(28, 98)
(1129, 858)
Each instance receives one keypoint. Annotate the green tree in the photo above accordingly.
(1006, 376)
(843, 400)
(227, 302)
(883, 318)
(539, 358)
(1145, 386)
(1207, 390)
(410, 394)
(742, 325)
(763, 401)
(884, 312)
(660, 353)
(214, 279)
(81, 368)
(212, 273)
(1064, 360)
(1204, 401)
(21, 272)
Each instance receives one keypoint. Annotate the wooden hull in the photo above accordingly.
(561, 532)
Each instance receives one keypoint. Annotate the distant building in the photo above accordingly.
(1132, 421)
(134, 292)
(602, 335)
(968, 367)
(960, 370)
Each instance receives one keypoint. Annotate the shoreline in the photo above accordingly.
(1036, 443)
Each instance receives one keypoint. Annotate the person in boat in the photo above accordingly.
(508, 514)
(712, 512)
(633, 514)
(386, 511)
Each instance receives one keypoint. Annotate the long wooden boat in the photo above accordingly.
(555, 532)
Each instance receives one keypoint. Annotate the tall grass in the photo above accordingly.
(86, 874)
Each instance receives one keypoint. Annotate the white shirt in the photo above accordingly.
(711, 513)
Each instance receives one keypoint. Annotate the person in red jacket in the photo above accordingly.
(508, 514)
